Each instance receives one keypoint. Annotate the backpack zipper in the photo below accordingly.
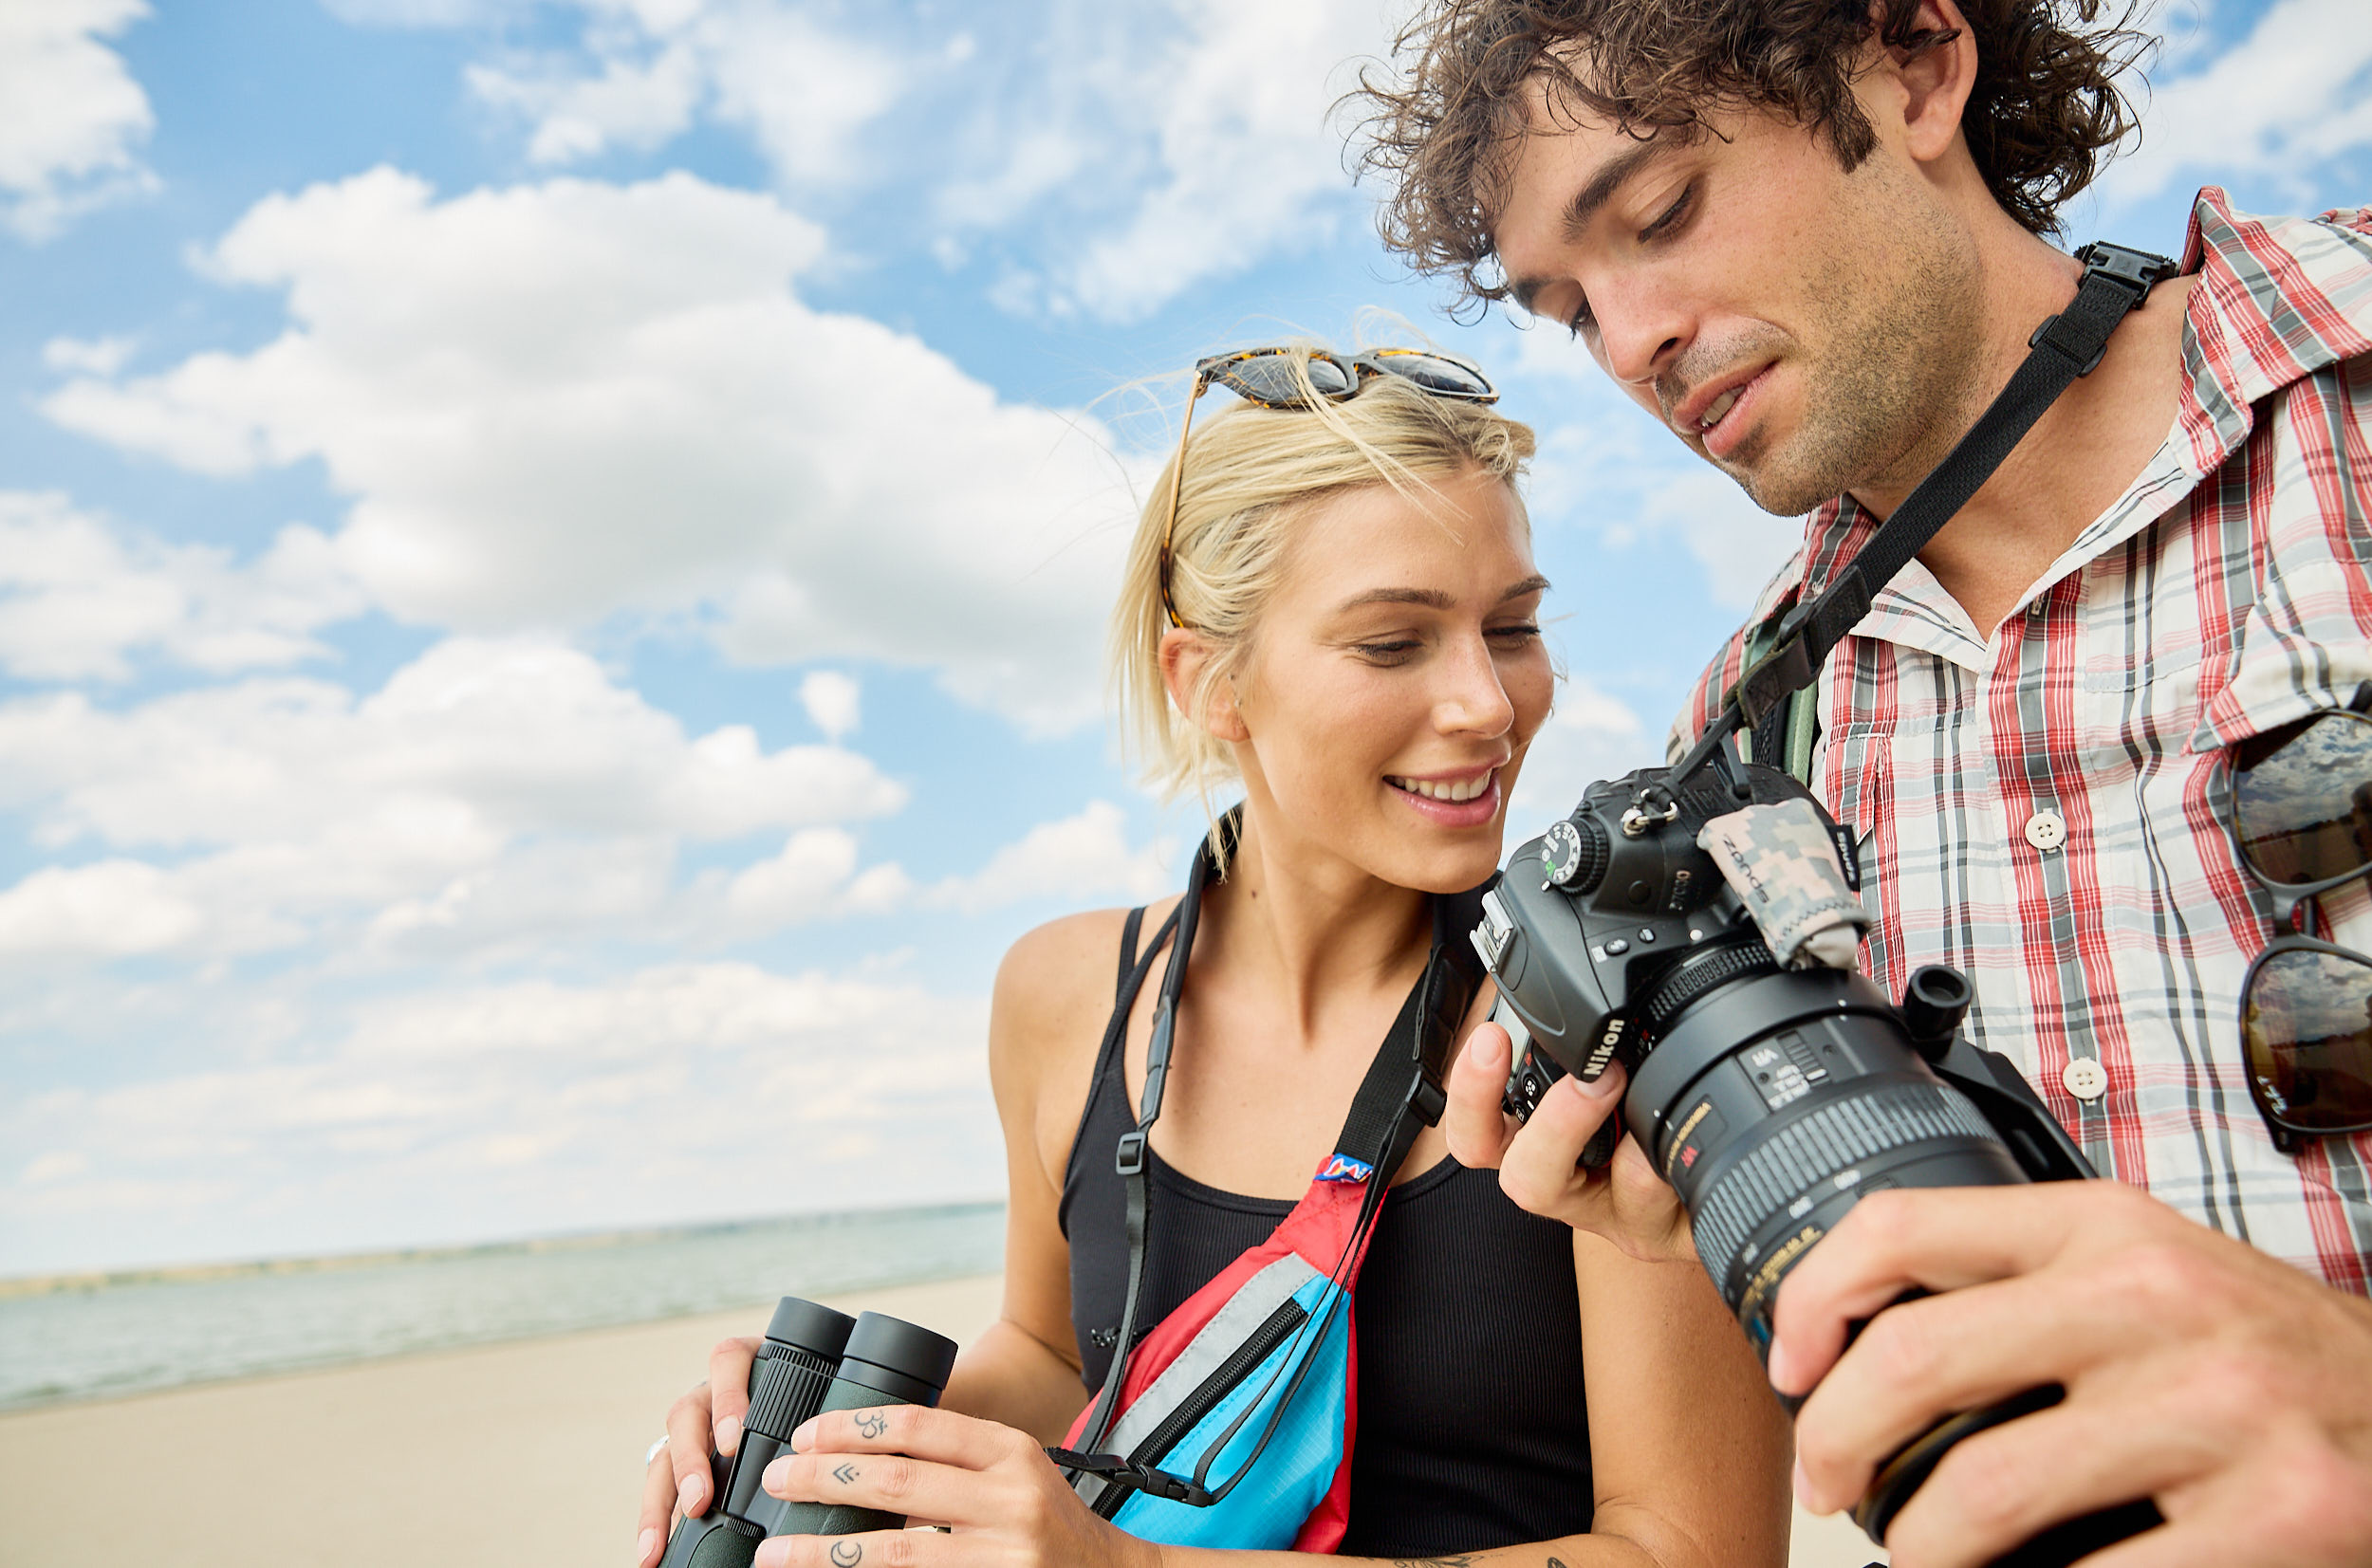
(1257, 1347)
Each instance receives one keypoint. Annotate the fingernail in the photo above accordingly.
(776, 1476)
(1604, 1086)
(1803, 1485)
(643, 1547)
(772, 1553)
(1477, 1049)
(688, 1493)
(728, 1435)
(803, 1438)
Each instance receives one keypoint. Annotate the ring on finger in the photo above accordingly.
(655, 1450)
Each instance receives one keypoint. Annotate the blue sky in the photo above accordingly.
(552, 559)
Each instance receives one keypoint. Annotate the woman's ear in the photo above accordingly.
(1186, 657)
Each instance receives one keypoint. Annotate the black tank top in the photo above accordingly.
(1472, 1429)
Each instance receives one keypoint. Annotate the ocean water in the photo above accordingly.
(84, 1341)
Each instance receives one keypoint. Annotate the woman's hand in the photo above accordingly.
(1539, 1161)
(993, 1486)
(678, 1480)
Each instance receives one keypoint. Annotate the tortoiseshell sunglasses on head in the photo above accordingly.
(1267, 376)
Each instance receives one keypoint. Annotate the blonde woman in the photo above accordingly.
(1331, 603)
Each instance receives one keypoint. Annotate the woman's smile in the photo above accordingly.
(1466, 799)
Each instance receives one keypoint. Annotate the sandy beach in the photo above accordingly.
(519, 1455)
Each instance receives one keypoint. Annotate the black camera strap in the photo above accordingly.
(2116, 282)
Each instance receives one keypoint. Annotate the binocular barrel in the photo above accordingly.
(812, 1359)
(887, 1362)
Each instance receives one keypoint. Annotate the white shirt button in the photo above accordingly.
(2046, 830)
(2085, 1078)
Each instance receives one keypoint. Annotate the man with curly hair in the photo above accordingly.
(1809, 236)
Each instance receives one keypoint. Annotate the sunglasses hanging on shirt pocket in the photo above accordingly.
(2298, 810)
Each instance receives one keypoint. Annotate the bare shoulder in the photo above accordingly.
(1055, 988)
(1054, 995)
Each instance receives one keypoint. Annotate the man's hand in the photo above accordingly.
(1539, 1161)
(2228, 1386)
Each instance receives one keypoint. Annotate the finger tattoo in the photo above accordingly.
(872, 1424)
(848, 1554)
(846, 1474)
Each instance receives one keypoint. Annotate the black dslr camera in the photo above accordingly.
(1771, 1097)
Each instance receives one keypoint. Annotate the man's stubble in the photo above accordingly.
(1889, 378)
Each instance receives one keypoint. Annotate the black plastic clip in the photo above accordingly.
(2138, 271)
(1129, 1158)
(1781, 673)
(2143, 270)
(1114, 1470)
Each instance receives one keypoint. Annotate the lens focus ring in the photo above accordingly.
(1813, 1149)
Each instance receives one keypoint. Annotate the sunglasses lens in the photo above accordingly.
(1270, 379)
(1437, 374)
(2308, 1028)
(2303, 808)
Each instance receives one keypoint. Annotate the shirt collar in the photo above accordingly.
(2277, 299)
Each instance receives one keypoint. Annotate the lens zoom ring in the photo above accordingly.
(1835, 1137)
(790, 1385)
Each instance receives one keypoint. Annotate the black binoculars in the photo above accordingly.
(814, 1360)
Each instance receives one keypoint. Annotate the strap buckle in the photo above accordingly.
(2142, 270)
(2135, 271)
(1129, 1158)
(1779, 673)
(1117, 1471)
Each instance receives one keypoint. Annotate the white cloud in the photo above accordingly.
(632, 104)
(814, 877)
(114, 907)
(491, 794)
(556, 403)
(1163, 147)
(1078, 858)
(675, 1092)
(79, 598)
(71, 114)
(1588, 737)
(1247, 163)
(832, 700)
(1612, 473)
(641, 74)
(2281, 102)
(1123, 155)
(90, 357)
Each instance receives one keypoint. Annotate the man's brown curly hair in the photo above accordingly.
(2044, 111)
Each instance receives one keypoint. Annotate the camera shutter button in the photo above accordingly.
(2085, 1078)
(2046, 830)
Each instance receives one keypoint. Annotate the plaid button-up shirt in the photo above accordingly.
(2038, 805)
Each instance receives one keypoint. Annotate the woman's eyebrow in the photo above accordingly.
(1434, 599)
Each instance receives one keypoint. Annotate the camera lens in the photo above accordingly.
(1777, 1098)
